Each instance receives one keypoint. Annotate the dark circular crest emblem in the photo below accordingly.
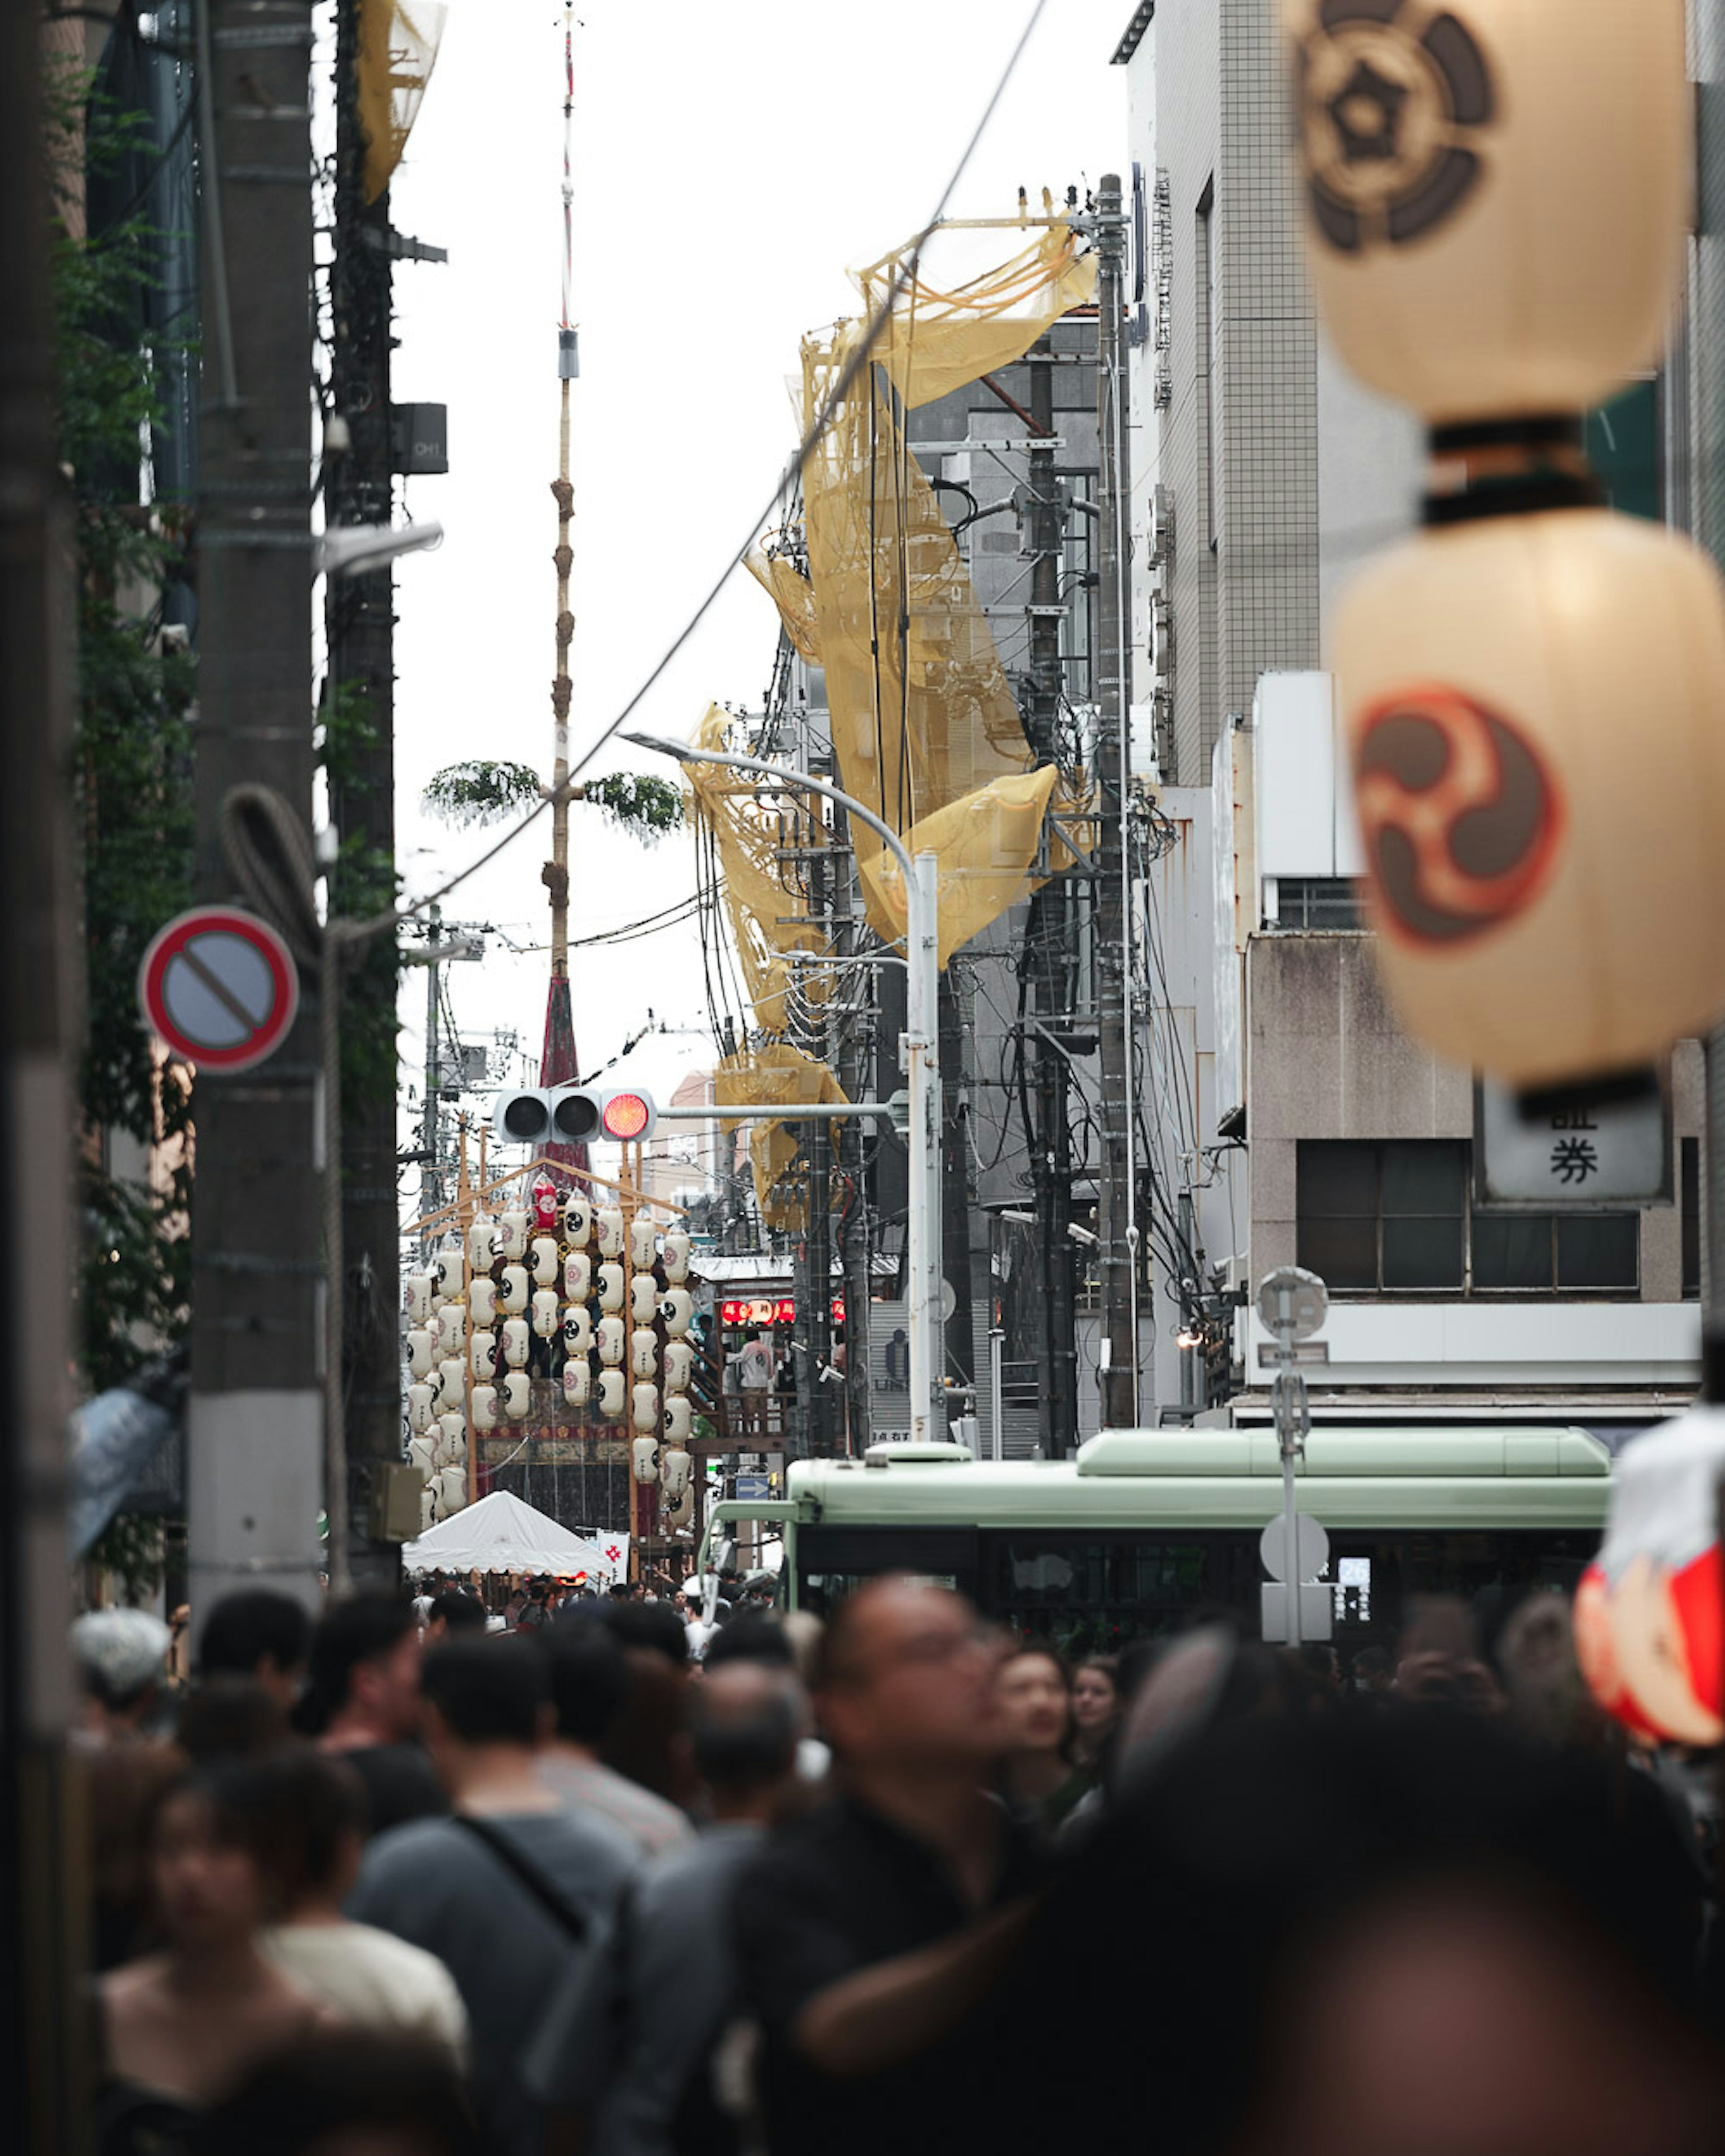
(1390, 95)
(1461, 820)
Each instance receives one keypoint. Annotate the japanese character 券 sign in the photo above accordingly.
(1572, 1151)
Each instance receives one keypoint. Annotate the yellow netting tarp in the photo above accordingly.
(397, 49)
(793, 594)
(770, 1074)
(935, 341)
(752, 835)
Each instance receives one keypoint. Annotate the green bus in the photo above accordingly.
(1144, 1529)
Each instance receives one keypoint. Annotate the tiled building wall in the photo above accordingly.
(1240, 442)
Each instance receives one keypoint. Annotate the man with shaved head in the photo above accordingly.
(627, 2046)
(873, 1931)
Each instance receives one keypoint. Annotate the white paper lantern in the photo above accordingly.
(577, 1330)
(644, 1406)
(643, 1352)
(416, 1297)
(484, 1244)
(517, 1394)
(643, 1298)
(482, 1300)
(1540, 918)
(678, 1311)
(512, 1291)
(576, 1381)
(609, 1219)
(679, 1418)
(452, 1381)
(512, 1234)
(452, 1431)
(679, 1514)
(1496, 194)
(484, 1403)
(482, 1352)
(675, 1468)
(446, 1267)
(612, 1341)
(643, 1244)
(422, 1454)
(678, 1365)
(517, 1342)
(453, 1337)
(578, 1276)
(452, 1488)
(428, 1507)
(611, 1287)
(577, 1220)
(420, 1398)
(419, 1352)
(611, 1394)
(644, 1459)
(675, 1259)
(542, 1260)
(547, 1316)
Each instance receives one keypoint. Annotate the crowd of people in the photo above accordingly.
(415, 1880)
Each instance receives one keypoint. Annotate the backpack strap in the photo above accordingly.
(550, 1896)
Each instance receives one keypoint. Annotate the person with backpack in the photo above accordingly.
(513, 1891)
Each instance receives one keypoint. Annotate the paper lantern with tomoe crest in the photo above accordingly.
(517, 1394)
(611, 1391)
(611, 1286)
(1495, 193)
(1540, 919)
(1649, 1626)
(577, 1220)
(542, 1260)
(679, 1418)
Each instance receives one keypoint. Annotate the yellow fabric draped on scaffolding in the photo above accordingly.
(759, 1077)
(397, 49)
(923, 718)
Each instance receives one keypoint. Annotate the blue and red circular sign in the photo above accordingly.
(219, 987)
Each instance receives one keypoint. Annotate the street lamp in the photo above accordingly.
(922, 1050)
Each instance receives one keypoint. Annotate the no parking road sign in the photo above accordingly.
(220, 987)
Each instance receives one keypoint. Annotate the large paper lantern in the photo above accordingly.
(453, 1336)
(512, 1234)
(643, 1244)
(419, 1352)
(578, 1276)
(452, 1381)
(1540, 917)
(577, 1330)
(611, 1340)
(484, 1246)
(517, 1342)
(678, 1365)
(644, 1353)
(542, 1260)
(609, 1222)
(543, 1197)
(416, 1290)
(446, 1267)
(546, 1317)
(482, 1352)
(675, 1468)
(610, 1287)
(611, 1394)
(482, 1300)
(644, 1406)
(1495, 193)
(678, 1311)
(517, 1394)
(678, 1418)
(512, 1291)
(420, 1398)
(421, 1453)
(1650, 1625)
(644, 1460)
(452, 1488)
(577, 1220)
(576, 1381)
(643, 1298)
(485, 1407)
(676, 1260)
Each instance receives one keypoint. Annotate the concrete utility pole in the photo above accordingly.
(359, 620)
(44, 2075)
(431, 1177)
(255, 1451)
(1049, 934)
(1116, 1211)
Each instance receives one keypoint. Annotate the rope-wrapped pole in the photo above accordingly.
(557, 869)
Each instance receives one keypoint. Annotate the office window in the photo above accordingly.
(1398, 1217)
(1689, 1205)
(1317, 903)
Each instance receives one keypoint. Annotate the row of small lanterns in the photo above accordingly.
(560, 1277)
(1496, 197)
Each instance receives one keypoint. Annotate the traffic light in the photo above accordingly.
(573, 1114)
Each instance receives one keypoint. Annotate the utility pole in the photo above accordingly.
(360, 623)
(1049, 929)
(431, 1179)
(43, 2066)
(1116, 1210)
(255, 1451)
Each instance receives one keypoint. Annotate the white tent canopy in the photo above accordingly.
(501, 1534)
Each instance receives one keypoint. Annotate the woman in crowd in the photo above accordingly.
(180, 2028)
(1095, 1716)
(1035, 1697)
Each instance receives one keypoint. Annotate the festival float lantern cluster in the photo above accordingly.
(1496, 197)
(561, 1289)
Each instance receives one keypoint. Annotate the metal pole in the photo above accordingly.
(431, 1179)
(44, 2069)
(921, 1063)
(997, 1406)
(255, 1452)
(1117, 1220)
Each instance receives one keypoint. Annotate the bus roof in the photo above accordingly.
(1434, 1478)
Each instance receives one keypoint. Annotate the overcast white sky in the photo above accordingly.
(731, 163)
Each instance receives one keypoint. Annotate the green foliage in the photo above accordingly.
(481, 792)
(346, 733)
(648, 807)
(130, 1546)
(131, 757)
